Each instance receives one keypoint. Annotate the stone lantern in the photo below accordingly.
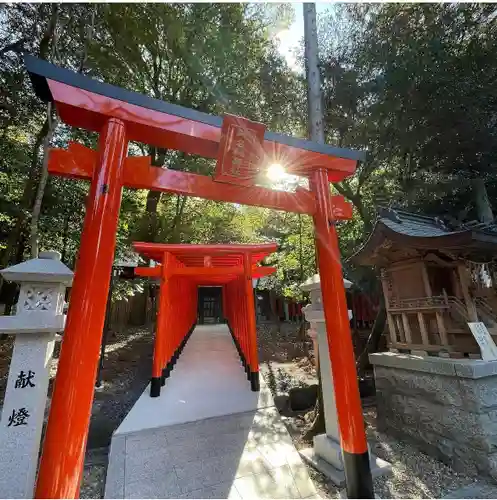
(326, 455)
(39, 317)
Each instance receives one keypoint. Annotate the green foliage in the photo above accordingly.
(215, 58)
(414, 85)
(411, 84)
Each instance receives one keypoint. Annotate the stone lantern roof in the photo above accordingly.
(315, 282)
(47, 268)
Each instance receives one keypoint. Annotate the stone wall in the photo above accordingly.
(446, 407)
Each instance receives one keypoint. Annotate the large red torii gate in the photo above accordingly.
(181, 270)
(243, 149)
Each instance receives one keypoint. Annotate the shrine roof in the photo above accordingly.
(87, 103)
(413, 224)
(397, 228)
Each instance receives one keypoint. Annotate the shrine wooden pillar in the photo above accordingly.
(348, 402)
(386, 296)
(166, 334)
(64, 447)
(465, 283)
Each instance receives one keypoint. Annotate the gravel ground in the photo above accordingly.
(93, 483)
(127, 367)
(414, 474)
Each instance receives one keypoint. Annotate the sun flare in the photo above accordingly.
(275, 172)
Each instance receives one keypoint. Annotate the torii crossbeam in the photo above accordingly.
(243, 149)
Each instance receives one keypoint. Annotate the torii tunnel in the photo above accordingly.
(243, 151)
(181, 270)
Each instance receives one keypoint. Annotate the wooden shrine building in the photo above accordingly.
(436, 277)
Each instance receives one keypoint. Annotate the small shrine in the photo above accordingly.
(437, 275)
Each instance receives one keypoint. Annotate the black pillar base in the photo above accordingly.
(155, 385)
(254, 381)
(246, 367)
(358, 475)
(157, 382)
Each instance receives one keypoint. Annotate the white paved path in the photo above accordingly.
(207, 436)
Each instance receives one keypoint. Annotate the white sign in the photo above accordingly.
(482, 336)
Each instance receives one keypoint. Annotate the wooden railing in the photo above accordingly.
(457, 311)
(451, 315)
(484, 307)
(420, 303)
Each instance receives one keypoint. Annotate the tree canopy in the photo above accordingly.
(411, 84)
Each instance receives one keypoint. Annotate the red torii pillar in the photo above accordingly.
(62, 464)
(341, 351)
(251, 326)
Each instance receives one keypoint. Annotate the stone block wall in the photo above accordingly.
(446, 407)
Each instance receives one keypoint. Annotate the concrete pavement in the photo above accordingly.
(207, 436)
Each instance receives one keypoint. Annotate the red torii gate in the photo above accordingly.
(243, 150)
(181, 270)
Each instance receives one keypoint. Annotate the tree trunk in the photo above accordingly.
(314, 99)
(49, 38)
(27, 199)
(318, 425)
(316, 133)
(373, 339)
(17, 237)
(274, 311)
(158, 157)
(88, 36)
(356, 200)
(301, 331)
(301, 251)
(65, 237)
(35, 216)
(483, 205)
(180, 207)
(49, 33)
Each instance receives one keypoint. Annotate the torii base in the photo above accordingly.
(254, 381)
(336, 475)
